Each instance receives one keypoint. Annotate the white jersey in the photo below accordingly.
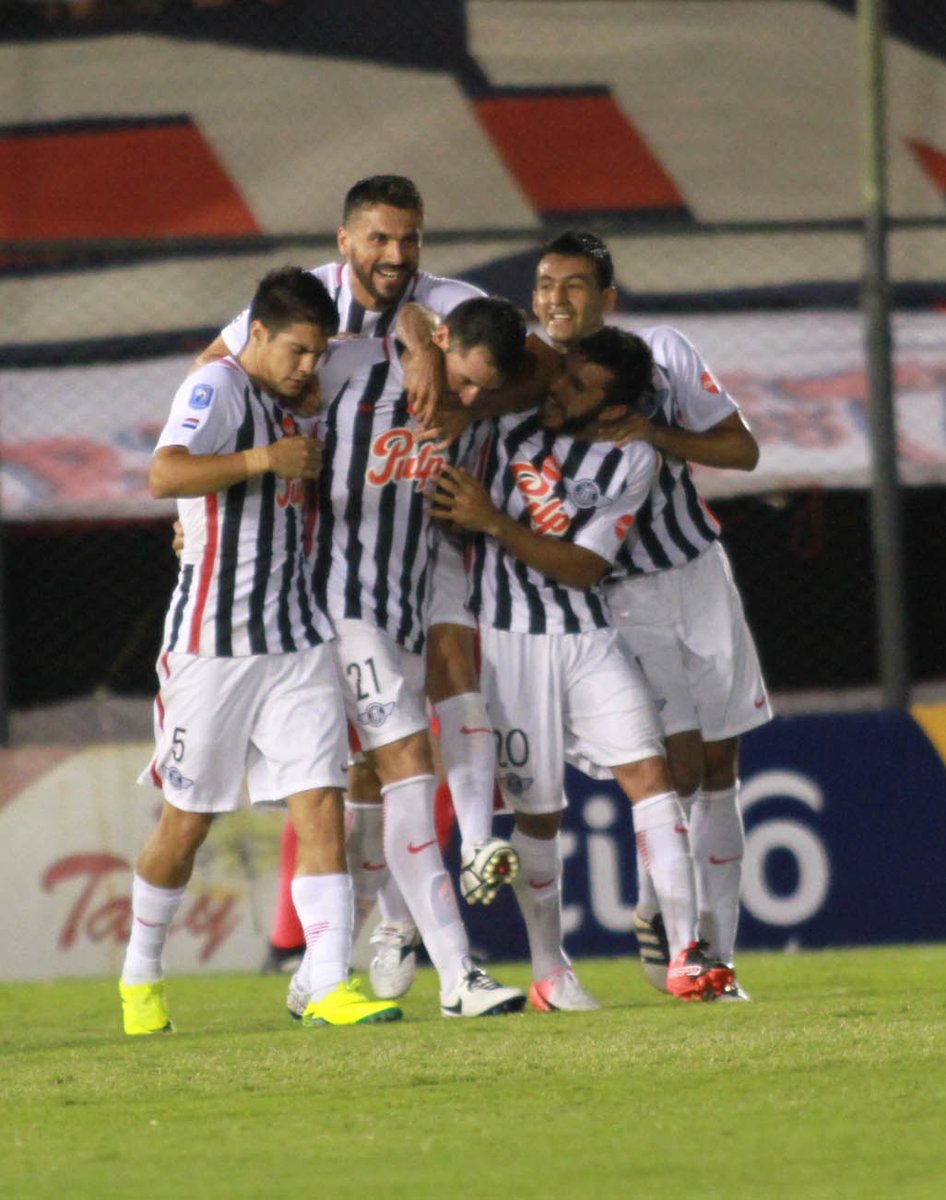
(675, 525)
(441, 296)
(244, 585)
(586, 493)
(373, 537)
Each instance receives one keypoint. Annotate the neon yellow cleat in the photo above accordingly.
(347, 1006)
(144, 1008)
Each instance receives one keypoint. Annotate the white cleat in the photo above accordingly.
(484, 868)
(297, 998)
(394, 961)
(561, 992)
(477, 995)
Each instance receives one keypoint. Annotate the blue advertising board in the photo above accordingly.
(845, 820)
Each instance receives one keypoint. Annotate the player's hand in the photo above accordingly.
(296, 457)
(631, 427)
(463, 500)
(425, 382)
(177, 545)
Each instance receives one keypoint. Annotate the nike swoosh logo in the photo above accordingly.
(412, 849)
(538, 884)
(454, 1008)
(718, 862)
(679, 829)
(758, 703)
(474, 729)
(370, 866)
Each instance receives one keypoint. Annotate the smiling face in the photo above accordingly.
(381, 244)
(577, 397)
(283, 363)
(568, 300)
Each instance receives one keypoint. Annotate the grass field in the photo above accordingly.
(831, 1084)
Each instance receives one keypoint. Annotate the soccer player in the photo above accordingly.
(248, 680)
(672, 594)
(372, 562)
(380, 244)
(549, 516)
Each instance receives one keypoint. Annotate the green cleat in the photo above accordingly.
(347, 1006)
(144, 1008)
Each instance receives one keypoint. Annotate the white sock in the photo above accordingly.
(538, 888)
(661, 835)
(325, 905)
(152, 911)
(413, 854)
(647, 903)
(391, 904)
(717, 841)
(364, 849)
(468, 751)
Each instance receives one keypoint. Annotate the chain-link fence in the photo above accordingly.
(157, 157)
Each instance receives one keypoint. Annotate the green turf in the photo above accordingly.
(831, 1084)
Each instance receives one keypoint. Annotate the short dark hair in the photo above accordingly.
(396, 190)
(630, 359)
(289, 294)
(492, 322)
(588, 245)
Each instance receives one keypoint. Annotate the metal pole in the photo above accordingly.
(4, 714)
(886, 500)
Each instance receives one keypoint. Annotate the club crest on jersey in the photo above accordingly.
(376, 714)
(585, 493)
(201, 396)
(515, 784)
(397, 456)
(537, 488)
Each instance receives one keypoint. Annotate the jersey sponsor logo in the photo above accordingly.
(376, 714)
(515, 784)
(290, 491)
(709, 384)
(397, 457)
(178, 781)
(622, 526)
(586, 494)
(537, 488)
(201, 396)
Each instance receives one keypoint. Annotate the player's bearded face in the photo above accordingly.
(567, 299)
(578, 397)
(287, 361)
(382, 247)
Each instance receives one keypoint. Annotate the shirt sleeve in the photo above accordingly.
(442, 296)
(347, 357)
(698, 400)
(205, 412)
(235, 334)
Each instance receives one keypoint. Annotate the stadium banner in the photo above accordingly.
(845, 840)
(76, 441)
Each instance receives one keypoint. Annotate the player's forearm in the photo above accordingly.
(178, 475)
(415, 326)
(571, 565)
(731, 447)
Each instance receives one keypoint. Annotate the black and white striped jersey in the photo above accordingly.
(675, 525)
(373, 535)
(586, 493)
(439, 295)
(245, 584)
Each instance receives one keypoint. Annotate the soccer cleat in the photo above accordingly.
(281, 958)
(394, 962)
(347, 1006)
(297, 998)
(144, 1008)
(654, 949)
(561, 992)
(734, 991)
(693, 976)
(484, 868)
(477, 995)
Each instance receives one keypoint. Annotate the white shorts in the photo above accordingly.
(687, 629)
(447, 589)
(275, 719)
(382, 683)
(552, 697)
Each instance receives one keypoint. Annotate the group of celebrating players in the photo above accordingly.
(447, 517)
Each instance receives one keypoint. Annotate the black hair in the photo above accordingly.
(396, 190)
(289, 294)
(494, 323)
(629, 358)
(588, 245)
